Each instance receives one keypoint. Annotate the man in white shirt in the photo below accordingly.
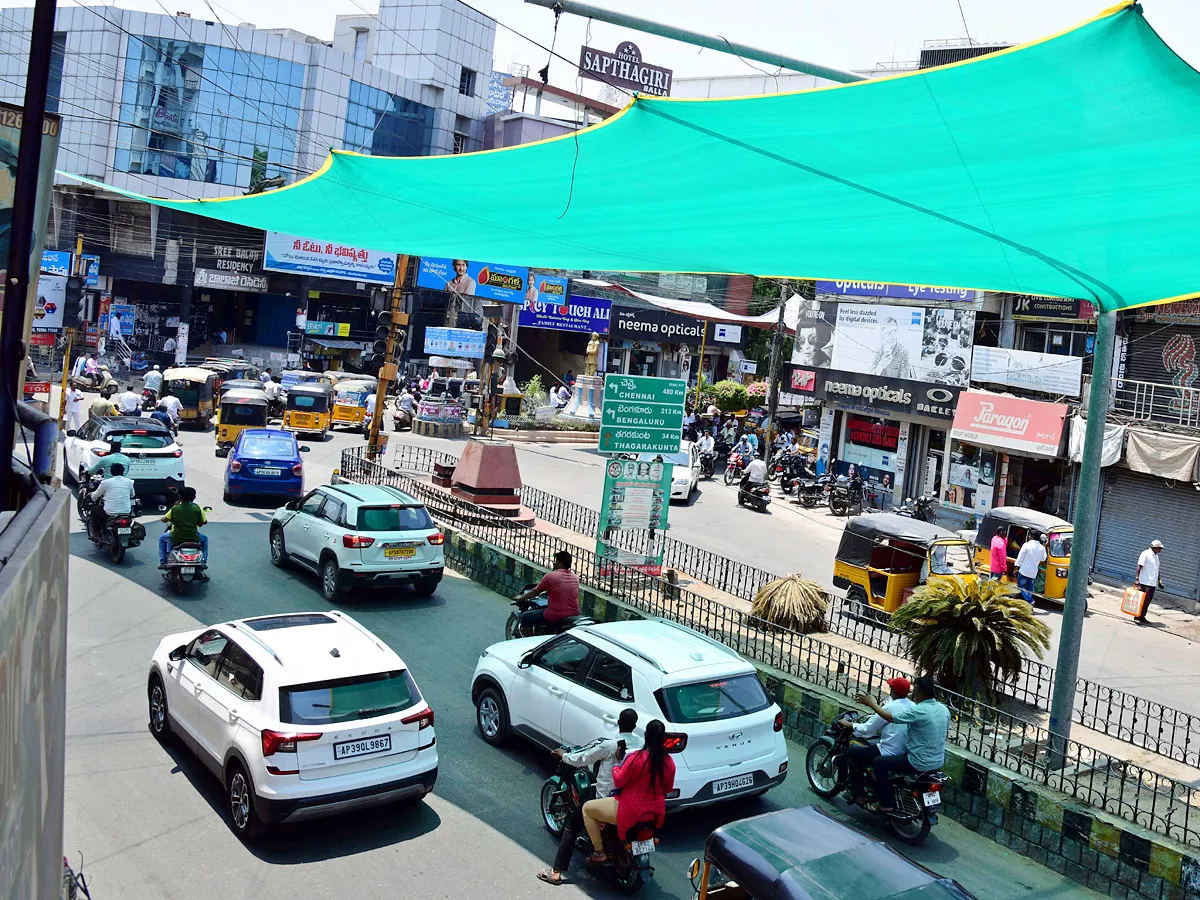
(1148, 578)
(114, 327)
(114, 497)
(169, 345)
(75, 414)
(128, 403)
(1029, 559)
(756, 472)
(171, 405)
(706, 444)
(893, 739)
(265, 377)
(153, 380)
(371, 404)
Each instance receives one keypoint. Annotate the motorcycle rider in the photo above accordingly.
(171, 405)
(153, 381)
(102, 405)
(185, 519)
(706, 447)
(128, 403)
(744, 449)
(562, 592)
(602, 754)
(729, 430)
(114, 497)
(893, 739)
(756, 473)
(928, 724)
(114, 457)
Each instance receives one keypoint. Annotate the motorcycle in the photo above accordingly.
(722, 447)
(811, 491)
(401, 420)
(920, 508)
(512, 628)
(917, 797)
(708, 464)
(119, 533)
(846, 494)
(758, 496)
(628, 862)
(735, 466)
(185, 564)
(149, 399)
(791, 469)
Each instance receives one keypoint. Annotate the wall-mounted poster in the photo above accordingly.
(905, 342)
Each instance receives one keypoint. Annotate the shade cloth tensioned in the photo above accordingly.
(1063, 167)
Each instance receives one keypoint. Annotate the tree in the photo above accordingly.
(794, 603)
(970, 635)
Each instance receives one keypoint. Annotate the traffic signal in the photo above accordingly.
(383, 325)
(74, 304)
(489, 343)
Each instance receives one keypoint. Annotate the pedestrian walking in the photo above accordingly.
(999, 559)
(1031, 557)
(74, 409)
(1148, 578)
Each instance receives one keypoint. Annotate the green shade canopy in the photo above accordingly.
(1065, 167)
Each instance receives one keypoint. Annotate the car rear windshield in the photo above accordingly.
(393, 518)
(301, 401)
(347, 699)
(268, 445)
(146, 441)
(711, 701)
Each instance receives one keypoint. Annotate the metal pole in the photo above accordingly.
(773, 375)
(700, 367)
(388, 370)
(1067, 671)
(62, 396)
(712, 42)
(16, 285)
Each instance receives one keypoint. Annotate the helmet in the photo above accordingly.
(156, 368)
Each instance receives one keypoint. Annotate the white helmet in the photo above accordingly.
(156, 368)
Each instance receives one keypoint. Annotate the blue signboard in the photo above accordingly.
(91, 269)
(491, 281)
(586, 314)
(458, 342)
(56, 262)
(898, 291)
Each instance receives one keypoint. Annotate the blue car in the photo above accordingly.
(264, 462)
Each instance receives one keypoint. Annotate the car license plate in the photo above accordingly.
(639, 848)
(393, 552)
(732, 784)
(141, 463)
(188, 570)
(267, 471)
(932, 798)
(124, 531)
(365, 747)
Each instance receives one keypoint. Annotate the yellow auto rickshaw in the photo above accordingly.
(241, 408)
(1016, 524)
(194, 387)
(224, 387)
(308, 409)
(350, 401)
(883, 557)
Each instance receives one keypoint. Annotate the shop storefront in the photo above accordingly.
(555, 330)
(649, 341)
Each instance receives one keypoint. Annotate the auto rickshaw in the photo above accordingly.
(883, 557)
(308, 409)
(241, 384)
(241, 408)
(1017, 523)
(350, 401)
(194, 387)
(804, 853)
(231, 367)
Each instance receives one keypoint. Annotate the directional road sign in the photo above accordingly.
(641, 414)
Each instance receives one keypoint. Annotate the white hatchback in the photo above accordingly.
(300, 715)
(570, 689)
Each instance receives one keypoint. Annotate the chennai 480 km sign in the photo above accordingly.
(641, 414)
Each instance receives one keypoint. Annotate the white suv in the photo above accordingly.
(360, 535)
(155, 458)
(570, 689)
(300, 715)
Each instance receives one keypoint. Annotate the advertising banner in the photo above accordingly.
(91, 269)
(584, 314)
(56, 262)
(289, 253)
(633, 515)
(625, 68)
(898, 291)
(1052, 309)
(461, 342)
(230, 281)
(873, 395)
(327, 329)
(905, 342)
(1046, 372)
(491, 281)
(727, 334)
(127, 313)
(1010, 423)
(971, 482)
(655, 325)
(51, 298)
(552, 289)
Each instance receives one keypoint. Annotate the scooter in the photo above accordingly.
(757, 496)
(185, 565)
(119, 533)
(512, 628)
(917, 797)
(104, 379)
(920, 508)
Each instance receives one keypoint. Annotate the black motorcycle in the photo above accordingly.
(708, 464)
(846, 494)
(512, 628)
(628, 862)
(721, 448)
(919, 508)
(756, 496)
(793, 468)
(118, 533)
(917, 797)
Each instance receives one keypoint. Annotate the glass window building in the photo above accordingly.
(385, 124)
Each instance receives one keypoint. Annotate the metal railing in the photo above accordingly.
(1151, 401)
(1135, 720)
(1134, 793)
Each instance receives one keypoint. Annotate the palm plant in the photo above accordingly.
(969, 635)
(793, 602)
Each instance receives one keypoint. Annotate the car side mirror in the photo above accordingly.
(526, 661)
(292, 505)
(72, 432)
(178, 653)
(304, 448)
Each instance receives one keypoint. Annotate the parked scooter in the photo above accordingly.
(917, 797)
(512, 628)
(756, 496)
(119, 533)
(919, 508)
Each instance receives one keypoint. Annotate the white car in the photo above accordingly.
(686, 473)
(155, 458)
(300, 715)
(570, 689)
(360, 535)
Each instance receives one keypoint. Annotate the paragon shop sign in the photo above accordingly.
(655, 325)
(873, 394)
(625, 69)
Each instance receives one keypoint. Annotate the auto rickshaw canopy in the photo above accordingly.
(864, 532)
(240, 384)
(298, 392)
(245, 397)
(1029, 519)
(805, 854)
(194, 374)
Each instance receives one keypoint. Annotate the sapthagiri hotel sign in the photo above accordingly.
(625, 68)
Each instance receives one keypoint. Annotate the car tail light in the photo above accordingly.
(177, 454)
(437, 539)
(425, 717)
(280, 742)
(356, 541)
(100, 452)
(298, 469)
(779, 721)
(235, 466)
(675, 742)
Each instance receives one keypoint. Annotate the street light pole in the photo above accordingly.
(1066, 672)
(773, 374)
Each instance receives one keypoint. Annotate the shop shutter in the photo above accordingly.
(1149, 358)
(1138, 509)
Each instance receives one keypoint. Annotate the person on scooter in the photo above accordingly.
(562, 592)
(185, 519)
(114, 457)
(601, 754)
(153, 381)
(171, 405)
(129, 403)
(756, 473)
(928, 724)
(114, 497)
(893, 739)
(644, 779)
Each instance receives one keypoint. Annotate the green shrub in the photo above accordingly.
(730, 396)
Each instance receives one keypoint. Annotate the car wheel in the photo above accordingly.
(239, 793)
(425, 588)
(491, 714)
(329, 580)
(279, 555)
(160, 719)
(227, 497)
